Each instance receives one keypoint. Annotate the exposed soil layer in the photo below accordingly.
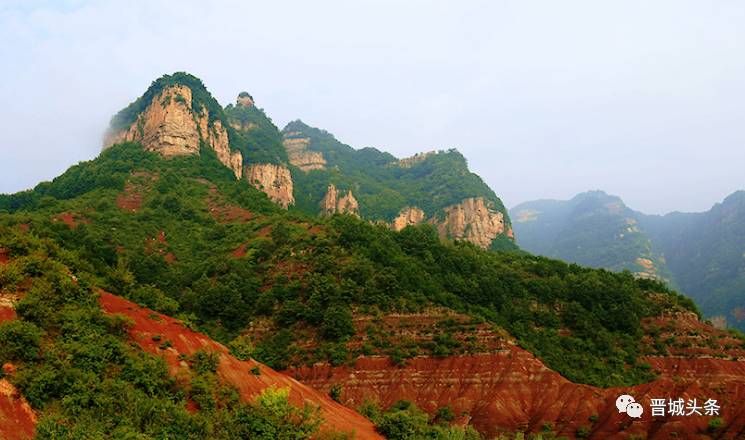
(71, 219)
(512, 390)
(221, 211)
(240, 251)
(683, 334)
(17, 419)
(183, 341)
(135, 190)
(7, 312)
(433, 331)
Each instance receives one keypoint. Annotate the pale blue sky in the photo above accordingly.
(644, 99)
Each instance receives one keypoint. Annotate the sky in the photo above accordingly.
(546, 99)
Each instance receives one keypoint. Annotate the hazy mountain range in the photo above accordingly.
(701, 254)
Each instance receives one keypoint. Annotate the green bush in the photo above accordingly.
(19, 341)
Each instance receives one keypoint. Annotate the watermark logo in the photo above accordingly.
(627, 404)
(668, 407)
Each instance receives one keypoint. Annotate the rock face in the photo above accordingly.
(171, 127)
(217, 138)
(299, 155)
(333, 204)
(408, 216)
(244, 100)
(473, 220)
(274, 180)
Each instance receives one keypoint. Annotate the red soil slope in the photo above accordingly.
(512, 390)
(17, 419)
(238, 373)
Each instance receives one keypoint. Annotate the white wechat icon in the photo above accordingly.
(623, 401)
(634, 410)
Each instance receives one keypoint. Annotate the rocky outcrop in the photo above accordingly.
(167, 126)
(333, 204)
(274, 180)
(171, 127)
(216, 137)
(407, 162)
(244, 100)
(474, 220)
(408, 216)
(299, 155)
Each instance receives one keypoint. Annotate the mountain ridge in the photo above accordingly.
(695, 251)
(308, 168)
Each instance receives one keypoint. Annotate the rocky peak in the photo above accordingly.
(274, 180)
(332, 203)
(408, 216)
(244, 100)
(474, 220)
(296, 146)
(169, 125)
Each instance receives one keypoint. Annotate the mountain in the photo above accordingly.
(706, 253)
(308, 168)
(703, 254)
(592, 229)
(156, 292)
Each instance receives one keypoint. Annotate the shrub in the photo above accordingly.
(335, 392)
(203, 362)
(19, 340)
(337, 323)
(715, 424)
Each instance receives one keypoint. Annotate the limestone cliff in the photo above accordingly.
(299, 155)
(473, 220)
(216, 137)
(333, 204)
(408, 216)
(274, 180)
(170, 126)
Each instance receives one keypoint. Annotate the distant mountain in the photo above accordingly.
(706, 253)
(593, 229)
(703, 254)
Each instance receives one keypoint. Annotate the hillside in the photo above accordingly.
(157, 274)
(699, 253)
(434, 187)
(593, 229)
(706, 253)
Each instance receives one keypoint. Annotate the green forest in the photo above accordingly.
(564, 313)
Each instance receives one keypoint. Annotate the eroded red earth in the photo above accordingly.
(71, 219)
(151, 330)
(512, 390)
(17, 419)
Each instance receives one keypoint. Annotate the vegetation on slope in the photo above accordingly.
(219, 254)
(592, 229)
(78, 369)
(381, 186)
(699, 253)
(260, 141)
